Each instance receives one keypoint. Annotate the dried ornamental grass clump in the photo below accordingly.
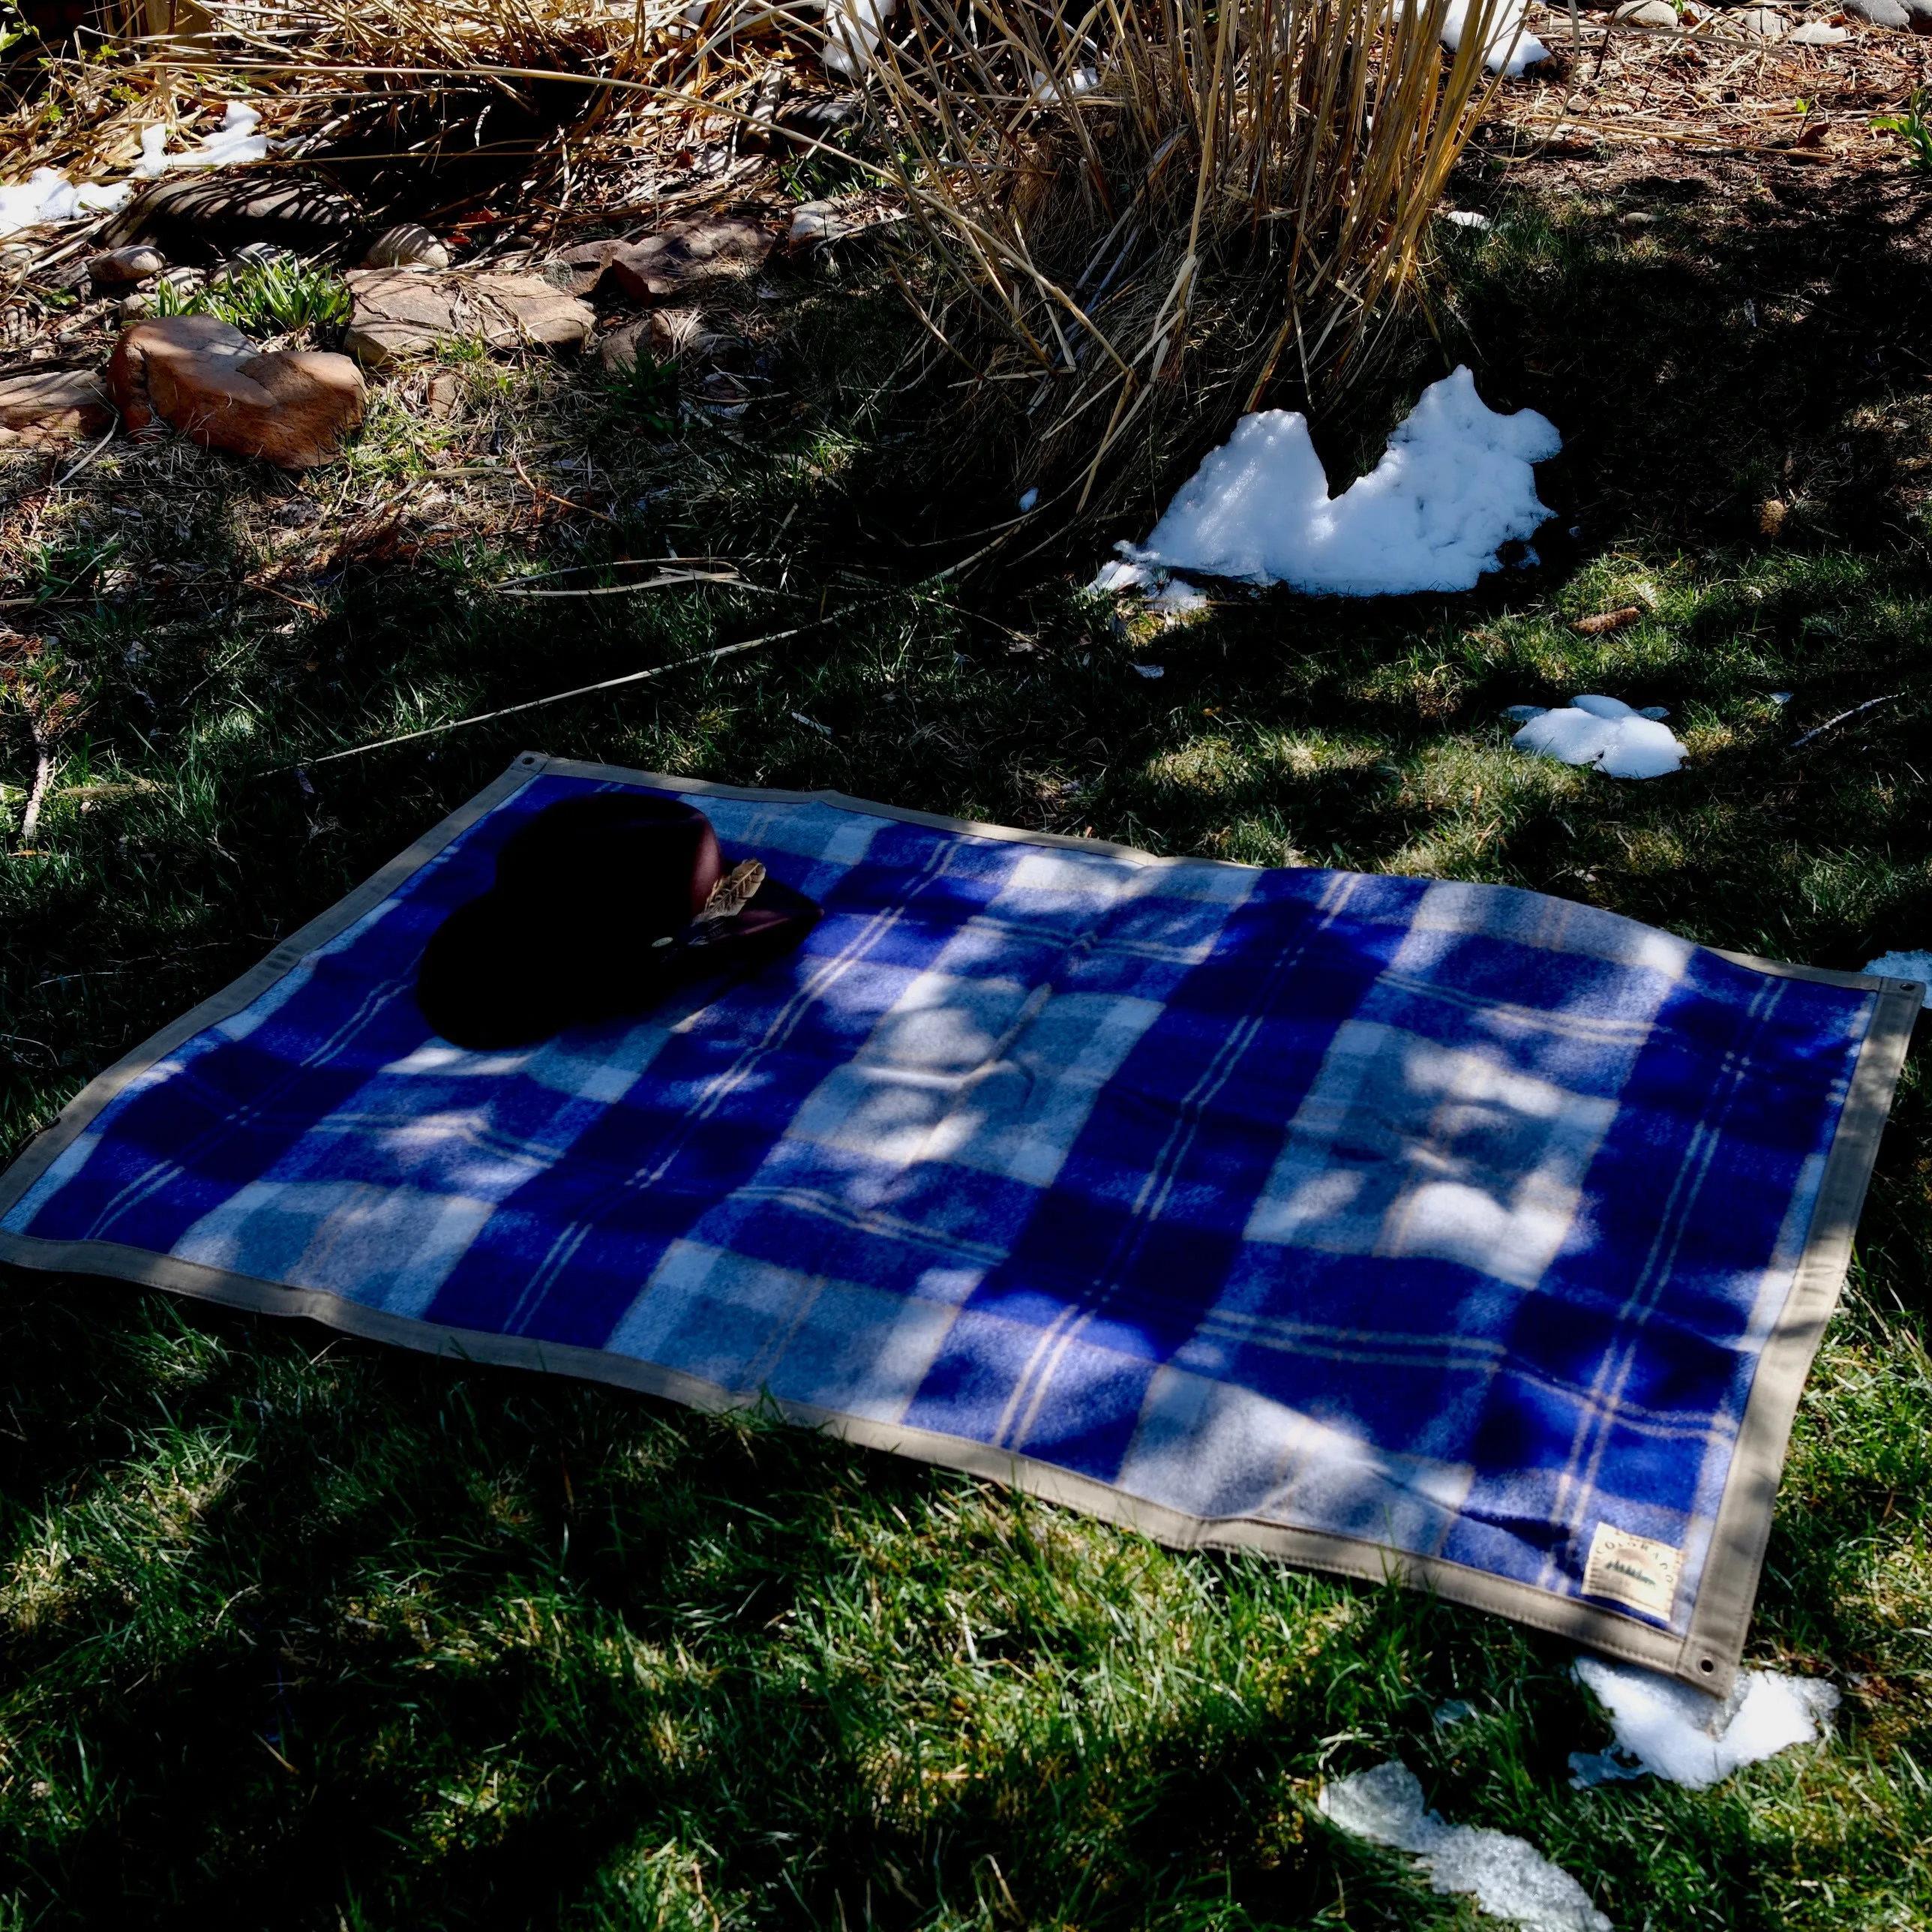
(1168, 198)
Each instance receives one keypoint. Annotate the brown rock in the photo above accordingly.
(678, 260)
(682, 259)
(121, 267)
(578, 271)
(401, 312)
(443, 395)
(291, 407)
(670, 333)
(407, 245)
(53, 406)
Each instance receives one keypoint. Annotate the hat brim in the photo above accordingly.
(490, 979)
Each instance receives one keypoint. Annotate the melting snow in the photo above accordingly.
(1045, 88)
(1904, 966)
(234, 140)
(1115, 577)
(1601, 731)
(47, 195)
(1027, 502)
(1676, 1732)
(1177, 598)
(1509, 1877)
(852, 28)
(1455, 482)
(1508, 42)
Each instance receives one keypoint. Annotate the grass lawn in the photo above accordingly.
(296, 1631)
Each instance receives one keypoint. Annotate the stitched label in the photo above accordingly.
(1633, 1570)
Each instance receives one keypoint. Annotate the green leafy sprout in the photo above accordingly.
(1913, 125)
(277, 297)
(643, 394)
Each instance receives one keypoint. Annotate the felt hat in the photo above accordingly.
(602, 905)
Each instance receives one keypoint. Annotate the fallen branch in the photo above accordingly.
(511, 589)
(1818, 731)
(581, 690)
(43, 778)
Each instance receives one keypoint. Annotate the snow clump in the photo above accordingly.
(1508, 1876)
(47, 195)
(1604, 732)
(1455, 482)
(1511, 49)
(1676, 1732)
(1904, 966)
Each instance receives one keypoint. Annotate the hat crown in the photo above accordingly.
(611, 860)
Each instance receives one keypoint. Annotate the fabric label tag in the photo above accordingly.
(1633, 1570)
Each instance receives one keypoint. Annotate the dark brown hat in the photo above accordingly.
(602, 905)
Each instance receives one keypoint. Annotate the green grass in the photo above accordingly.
(299, 1631)
(277, 298)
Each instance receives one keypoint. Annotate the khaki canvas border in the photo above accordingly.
(1707, 1656)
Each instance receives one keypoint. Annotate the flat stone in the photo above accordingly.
(578, 271)
(1647, 13)
(292, 407)
(1755, 23)
(681, 259)
(53, 406)
(671, 333)
(443, 395)
(1881, 12)
(404, 312)
(690, 256)
(407, 245)
(209, 215)
(121, 267)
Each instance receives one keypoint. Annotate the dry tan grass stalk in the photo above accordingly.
(1157, 196)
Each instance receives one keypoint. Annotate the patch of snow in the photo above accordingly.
(1115, 577)
(1904, 966)
(1177, 598)
(234, 140)
(1604, 732)
(1781, 697)
(1151, 670)
(1676, 1732)
(1455, 482)
(1509, 1878)
(1816, 33)
(1081, 80)
(47, 195)
(1466, 218)
(852, 28)
(1454, 1712)
(1511, 49)
(1027, 502)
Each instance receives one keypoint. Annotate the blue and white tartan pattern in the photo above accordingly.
(1449, 1218)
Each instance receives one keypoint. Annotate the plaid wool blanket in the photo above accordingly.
(1443, 1231)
